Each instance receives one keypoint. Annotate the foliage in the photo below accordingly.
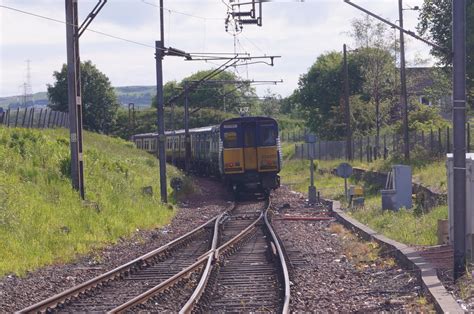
(270, 105)
(319, 91)
(436, 24)
(42, 219)
(99, 103)
(217, 95)
(422, 118)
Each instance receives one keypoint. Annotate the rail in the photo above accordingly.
(281, 256)
(110, 275)
(188, 307)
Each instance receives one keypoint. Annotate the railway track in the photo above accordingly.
(158, 270)
(250, 273)
(233, 262)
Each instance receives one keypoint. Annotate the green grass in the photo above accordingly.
(403, 226)
(43, 220)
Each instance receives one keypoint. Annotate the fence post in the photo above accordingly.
(62, 120)
(17, 115)
(49, 118)
(384, 147)
(448, 142)
(8, 118)
(24, 117)
(39, 119)
(31, 117)
(319, 149)
(440, 145)
(423, 139)
(3, 117)
(44, 118)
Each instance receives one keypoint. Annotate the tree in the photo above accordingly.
(436, 24)
(320, 90)
(270, 104)
(377, 63)
(99, 102)
(223, 96)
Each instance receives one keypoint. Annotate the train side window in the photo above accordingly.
(268, 135)
(230, 139)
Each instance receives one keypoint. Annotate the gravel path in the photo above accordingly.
(335, 271)
(17, 293)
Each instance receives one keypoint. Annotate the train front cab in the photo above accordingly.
(251, 153)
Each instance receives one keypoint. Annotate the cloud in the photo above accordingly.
(299, 32)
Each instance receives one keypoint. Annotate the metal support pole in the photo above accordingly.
(159, 54)
(74, 96)
(459, 124)
(187, 138)
(347, 107)
(403, 84)
(160, 112)
(468, 131)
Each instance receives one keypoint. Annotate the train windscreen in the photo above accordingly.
(268, 134)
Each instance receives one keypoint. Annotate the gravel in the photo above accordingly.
(333, 270)
(326, 274)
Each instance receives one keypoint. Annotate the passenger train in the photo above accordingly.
(245, 152)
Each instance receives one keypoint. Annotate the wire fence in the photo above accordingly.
(432, 144)
(33, 117)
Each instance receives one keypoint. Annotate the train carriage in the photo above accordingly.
(245, 152)
(251, 154)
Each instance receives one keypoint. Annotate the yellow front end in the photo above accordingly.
(233, 160)
(268, 159)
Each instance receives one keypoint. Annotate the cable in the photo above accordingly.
(89, 29)
(251, 42)
(210, 55)
(183, 13)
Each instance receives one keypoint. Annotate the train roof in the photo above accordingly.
(249, 119)
(178, 132)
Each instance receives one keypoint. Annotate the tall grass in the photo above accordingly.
(43, 220)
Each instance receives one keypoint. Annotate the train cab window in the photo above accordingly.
(230, 139)
(249, 135)
(268, 135)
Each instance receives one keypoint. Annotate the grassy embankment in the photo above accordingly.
(404, 226)
(43, 220)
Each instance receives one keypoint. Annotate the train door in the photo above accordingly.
(250, 145)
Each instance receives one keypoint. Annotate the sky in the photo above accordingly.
(297, 31)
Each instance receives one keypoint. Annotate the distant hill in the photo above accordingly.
(139, 95)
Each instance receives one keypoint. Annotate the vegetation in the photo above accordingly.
(225, 96)
(43, 220)
(407, 226)
(99, 101)
(436, 21)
